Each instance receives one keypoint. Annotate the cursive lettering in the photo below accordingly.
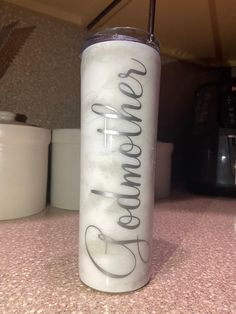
(94, 237)
(129, 130)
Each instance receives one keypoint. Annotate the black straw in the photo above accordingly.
(151, 19)
(102, 14)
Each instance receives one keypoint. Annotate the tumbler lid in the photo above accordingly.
(122, 33)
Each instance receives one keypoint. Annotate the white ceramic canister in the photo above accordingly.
(163, 169)
(65, 168)
(23, 167)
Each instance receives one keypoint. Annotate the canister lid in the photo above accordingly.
(66, 136)
(13, 132)
(7, 117)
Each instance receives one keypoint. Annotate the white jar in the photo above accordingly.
(23, 167)
(65, 168)
(163, 169)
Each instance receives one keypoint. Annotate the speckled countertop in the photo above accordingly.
(193, 265)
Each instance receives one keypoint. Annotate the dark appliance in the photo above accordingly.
(212, 156)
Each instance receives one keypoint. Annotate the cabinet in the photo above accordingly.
(202, 31)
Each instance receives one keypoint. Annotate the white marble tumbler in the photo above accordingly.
(120, 77)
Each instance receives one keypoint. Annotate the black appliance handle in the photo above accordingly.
(232, 154)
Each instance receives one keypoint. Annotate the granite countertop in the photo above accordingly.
(193, 263)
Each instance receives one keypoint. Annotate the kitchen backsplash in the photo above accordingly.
(43, 79)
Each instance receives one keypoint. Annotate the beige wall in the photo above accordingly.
(43, 81)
